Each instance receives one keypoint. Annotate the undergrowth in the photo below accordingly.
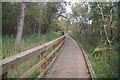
(10, 48)
(104, 59)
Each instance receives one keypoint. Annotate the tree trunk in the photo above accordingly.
(104, 26)
(118, 23)
(80, 28)
(101, 31)
(110, 24)
(39, 30)
(82, 22)
(21, 23)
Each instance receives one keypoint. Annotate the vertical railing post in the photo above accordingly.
(54, 46)
(59, 44)
(43, 55)
(4, 76)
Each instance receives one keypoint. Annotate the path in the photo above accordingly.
(70, 62)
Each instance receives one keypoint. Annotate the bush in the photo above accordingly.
(104, 59)
(10, 48)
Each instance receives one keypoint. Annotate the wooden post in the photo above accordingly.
(54, 46)
(43, 55)
(4, 76)
(60, 46)
(50, 59)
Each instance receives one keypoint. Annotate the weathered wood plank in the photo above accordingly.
(51, 43)
(90, 69)
(43, 73)
(18, 59)
(42, 56)
(13, 61)
(30, 71)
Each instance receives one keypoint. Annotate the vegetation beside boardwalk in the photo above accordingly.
(10, 48)
(100, 38)
(95, 25)
(103, 58)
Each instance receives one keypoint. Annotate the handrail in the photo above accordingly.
(13, 61)
(89, 66)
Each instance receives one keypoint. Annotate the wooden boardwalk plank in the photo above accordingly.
(70, 62)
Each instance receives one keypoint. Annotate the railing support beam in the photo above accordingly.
(43, 55)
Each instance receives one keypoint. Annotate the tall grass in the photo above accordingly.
(104, 59)
(10, 48)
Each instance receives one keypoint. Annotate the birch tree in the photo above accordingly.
(104, 26)
(21, 23)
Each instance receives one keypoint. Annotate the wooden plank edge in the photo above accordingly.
(11, 62)
(31, 70)
(89, 66)
(48, 67)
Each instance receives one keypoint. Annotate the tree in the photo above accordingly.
(21, 23)
(80, 14)
(104, 26)
(9, 22)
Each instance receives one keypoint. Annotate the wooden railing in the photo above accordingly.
(14, 61)
(87, 61)
(89, 66)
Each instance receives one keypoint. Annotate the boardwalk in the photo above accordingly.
(70, 62)
(67, 60)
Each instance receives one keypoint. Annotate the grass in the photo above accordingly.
(34, 75)
(10, 48)
(104, 59)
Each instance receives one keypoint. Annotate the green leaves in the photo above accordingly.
(45, 14)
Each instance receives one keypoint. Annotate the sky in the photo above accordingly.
(68, 9)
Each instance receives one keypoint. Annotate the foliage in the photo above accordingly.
(10, 12)
(104, 60)
(94, 25)
(9, 47)
(99, 39)
(29, 41)
(37, 14)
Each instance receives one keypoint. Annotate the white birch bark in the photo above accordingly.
(21, 23)
(101, 11)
